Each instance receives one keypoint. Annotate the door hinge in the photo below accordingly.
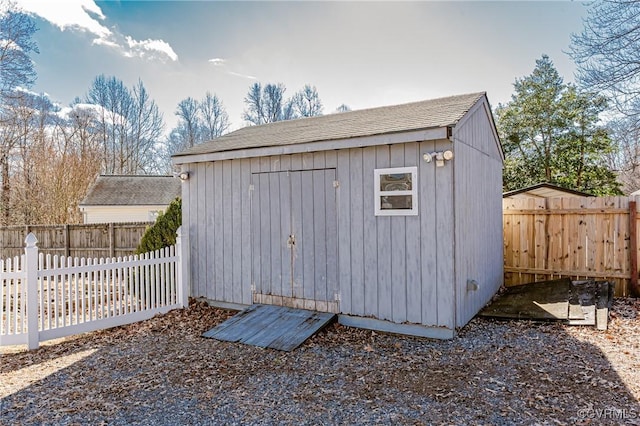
(253, 288)
(251, 187)
(336, 183)
(336, 297)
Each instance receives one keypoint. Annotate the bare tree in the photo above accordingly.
(273, 102)
(16, 44)
(188, 112)
(254, 113)
(267, 104)
(199, 121)
(147, 126)
(215, 120)
(16, 69)
(130, 125)
(607, 52)
(53, 161)
(307, 102)
(12, 135)
(343, 108)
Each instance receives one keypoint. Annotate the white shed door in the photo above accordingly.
(294, 237)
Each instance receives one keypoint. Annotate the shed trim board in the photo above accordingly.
(439, 133)
(425, 275)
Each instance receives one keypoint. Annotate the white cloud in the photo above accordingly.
(86, 16)
(146, 48)
(69, 14)
(108, 43)
(93, 110)
(219, 62)
(237, 74)
(31, 92)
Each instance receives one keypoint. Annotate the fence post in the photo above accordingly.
(183, 281)
(67, 243)
(633, 249)
(112, 240)
(31, 277)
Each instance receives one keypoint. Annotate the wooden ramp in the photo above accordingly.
(269, 326)
(576, 302)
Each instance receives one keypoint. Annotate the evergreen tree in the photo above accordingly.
(551, 133)
(163, 232)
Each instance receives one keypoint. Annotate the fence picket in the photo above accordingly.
(17, 302)
(574, 237)
(67, 295)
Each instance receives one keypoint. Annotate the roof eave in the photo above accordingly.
(428, 134)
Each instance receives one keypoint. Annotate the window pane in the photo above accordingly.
(395, 182)
(396, 202)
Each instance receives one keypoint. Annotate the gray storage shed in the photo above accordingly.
(390, 217)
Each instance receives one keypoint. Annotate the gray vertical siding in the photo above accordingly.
(399, 268)
(369, 221)
(388, 265)
(382, 244)
(413, 264)
(393, 268)
(208, 274)
(478, 198)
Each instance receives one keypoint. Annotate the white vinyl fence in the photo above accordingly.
(46, 297)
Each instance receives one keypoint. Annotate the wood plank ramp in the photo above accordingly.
(270, 326)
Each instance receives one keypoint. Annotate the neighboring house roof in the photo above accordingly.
(132, 190)
(429, 114)
(544, 190)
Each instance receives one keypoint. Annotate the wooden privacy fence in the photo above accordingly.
(76, 240)
(577, 237)
(44, 297)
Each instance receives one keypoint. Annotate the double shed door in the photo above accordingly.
(294, 236)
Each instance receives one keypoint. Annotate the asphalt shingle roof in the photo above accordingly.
(367, 122)
(132, 190)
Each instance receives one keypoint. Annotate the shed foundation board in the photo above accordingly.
(269, 326)
(417, 330)
(223, 305)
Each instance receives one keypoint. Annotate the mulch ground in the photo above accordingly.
(162, 372)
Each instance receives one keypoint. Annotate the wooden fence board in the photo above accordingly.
(75, 240)
(578, 237)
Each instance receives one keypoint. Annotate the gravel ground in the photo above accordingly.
(161, 372)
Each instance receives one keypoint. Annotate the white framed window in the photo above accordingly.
(396, 191)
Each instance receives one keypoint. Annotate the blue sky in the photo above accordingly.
(363, 54)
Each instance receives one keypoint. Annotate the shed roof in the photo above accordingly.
(544, 190)
(434, 113)
(109, 190)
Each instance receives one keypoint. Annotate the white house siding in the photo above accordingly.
(395, 268)
(478, 224)
(117, 214)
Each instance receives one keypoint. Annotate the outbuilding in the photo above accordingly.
(544, 190)
(390, 217)
(128, 198)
